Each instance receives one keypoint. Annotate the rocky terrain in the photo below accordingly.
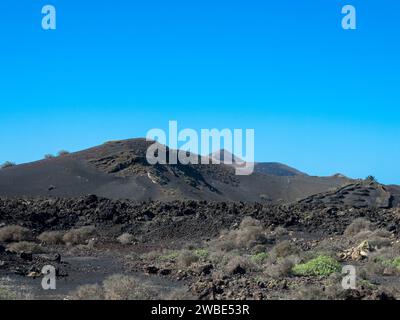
(115, 227)
(201, 249)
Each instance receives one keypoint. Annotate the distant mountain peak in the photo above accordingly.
(225, 156)
(277, 169)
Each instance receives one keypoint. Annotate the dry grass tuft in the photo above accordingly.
(125, 238)
(79, 236)
(51, 237)
(88, 292)
(14, 233)
(115, 287)
(26, 247)
(249, 234)
(358, 225)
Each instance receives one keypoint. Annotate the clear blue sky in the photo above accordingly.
(320, 98)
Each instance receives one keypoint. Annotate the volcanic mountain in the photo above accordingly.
(119, 170)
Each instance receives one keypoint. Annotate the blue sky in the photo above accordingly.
(320, 98)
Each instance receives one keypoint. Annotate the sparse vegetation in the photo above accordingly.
(88, 292)
(48, 156)
(79, 236)
(125, 238)
(319, 266)
(202, 253)
(26, 247)
(170, 256)
(259, 258)
(281, 268)
(115, 287)
(280, 231)
(51, 237)
(283, 249)
(394, 263)
(310, 293)
(179, 294)
(13, 233)
(249, 260)
(6, 294)
(185, 258)
(121, 287)
(237, 265)
(358, 225)
(62, 153)
(7, 164)
(249, 234)
(371, 178)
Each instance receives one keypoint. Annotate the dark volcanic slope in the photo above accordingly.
(119, 169)
(360, 194)
(277, 169)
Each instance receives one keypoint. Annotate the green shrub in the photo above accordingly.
(394, 263)
(6, 294)
(319, 266)
(171, 256)
(259, 258)
(202, 253)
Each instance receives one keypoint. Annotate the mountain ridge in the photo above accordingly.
(119, 170)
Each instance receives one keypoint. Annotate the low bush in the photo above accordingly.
(170, 256)
(7, 164)
(310, 293)
(237, 265)
(358, 225)
(62, 153)
(13, 233)
(79, 236)
(26, 247)
(88, 292)
(319, 266)
(121, 287)
(281, 268)
(125, 238)
(249, 234)
(115, 287)
(259, 258)
(6, 294)
(393, 263)
(185, 258)
(51, 237)
(202, 253)
(283, 249)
